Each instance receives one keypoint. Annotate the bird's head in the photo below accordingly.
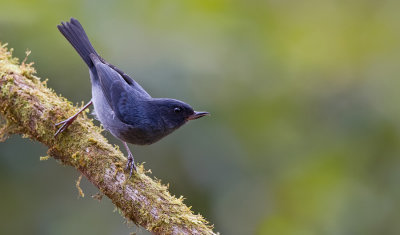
(175, 113)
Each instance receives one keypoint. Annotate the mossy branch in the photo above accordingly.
(31, 109)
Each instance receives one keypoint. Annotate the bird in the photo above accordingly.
(121, 105)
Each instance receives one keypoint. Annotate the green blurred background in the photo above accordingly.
(305, 127)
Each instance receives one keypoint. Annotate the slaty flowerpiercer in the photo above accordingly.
(122, 106)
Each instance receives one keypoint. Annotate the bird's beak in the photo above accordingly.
(198, 115)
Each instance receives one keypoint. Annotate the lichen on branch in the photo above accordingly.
(29, 108)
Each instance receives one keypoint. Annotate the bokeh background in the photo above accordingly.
(304, 136)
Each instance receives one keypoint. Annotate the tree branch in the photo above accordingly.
(29, 108)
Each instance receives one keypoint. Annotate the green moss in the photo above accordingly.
(44, 158)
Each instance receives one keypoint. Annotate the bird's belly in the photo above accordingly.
(105, 114)
(140, 136)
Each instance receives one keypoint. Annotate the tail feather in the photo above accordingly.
(75, 34)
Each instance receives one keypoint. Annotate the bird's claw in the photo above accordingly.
(130, 164)
(65, 124)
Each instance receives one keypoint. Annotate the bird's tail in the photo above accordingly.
(75, 34)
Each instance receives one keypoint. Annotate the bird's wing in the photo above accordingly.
(119, 95)
(130, 81)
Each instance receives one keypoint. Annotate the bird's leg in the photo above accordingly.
(130, 165)
(70, 120)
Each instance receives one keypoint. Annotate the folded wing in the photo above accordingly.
(119, 94)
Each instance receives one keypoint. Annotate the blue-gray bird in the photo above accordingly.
(122, 106)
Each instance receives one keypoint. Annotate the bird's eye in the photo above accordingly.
(177, 110)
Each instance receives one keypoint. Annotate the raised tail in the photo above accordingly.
(75, 34)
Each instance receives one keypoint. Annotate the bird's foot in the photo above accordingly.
(130, 164)
(65, 124)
